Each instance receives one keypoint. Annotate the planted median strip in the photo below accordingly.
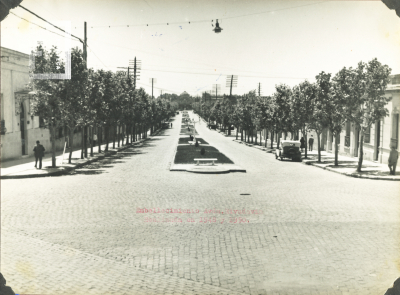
(186, 154)
(185, 140)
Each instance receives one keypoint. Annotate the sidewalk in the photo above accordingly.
(24, 168)
(347, 165)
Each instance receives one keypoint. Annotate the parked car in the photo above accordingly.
(289, 149)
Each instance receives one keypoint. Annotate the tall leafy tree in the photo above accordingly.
(47, 101)
(282, 99)
(339, 108)
(302, 108)
(367, 86)
(321, 106)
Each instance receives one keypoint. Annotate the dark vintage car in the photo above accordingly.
(289, 149)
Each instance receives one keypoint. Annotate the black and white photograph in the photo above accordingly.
(173, 147)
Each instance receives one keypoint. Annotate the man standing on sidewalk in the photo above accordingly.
(310, 143)
(392, 161)
(39, 153)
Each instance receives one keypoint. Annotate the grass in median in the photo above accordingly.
(186, 153)
(184, 140)
(184, 131)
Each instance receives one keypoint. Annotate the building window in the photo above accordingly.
(367, 135)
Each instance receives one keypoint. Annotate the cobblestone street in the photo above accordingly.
(317, 233)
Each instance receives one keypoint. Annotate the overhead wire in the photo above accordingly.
(49, 22)
(40, 26)
(201, 21)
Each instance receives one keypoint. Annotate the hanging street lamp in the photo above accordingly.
(217, 28)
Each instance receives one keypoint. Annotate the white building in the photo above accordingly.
(19, 128)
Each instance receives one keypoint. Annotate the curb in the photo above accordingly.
(350, 174)
(65, 170)
(326, 168)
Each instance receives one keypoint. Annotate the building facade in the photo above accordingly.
(20, 129)
(381, 136)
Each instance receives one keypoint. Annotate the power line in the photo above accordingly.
(199, 21)
(39, 25)
(49, 22)
(97, 56)
(220, 74)
(186, 60)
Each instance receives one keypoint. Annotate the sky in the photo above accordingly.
(262, 42)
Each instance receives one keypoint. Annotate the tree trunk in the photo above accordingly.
(118, 134)
(361, 150)
(85, 132)
(106, 135)
(71, 144)
(114, 131)
(99, 137)
(336, 149)
(134, 132)
(272, 139)
(53, 146)
(305, 144)
(91, 142)
(279, 140)
(319, 147)
(127, 134)
(266, 137)
(90, 137)
(241, 134)
(83, 142)
(237, 133)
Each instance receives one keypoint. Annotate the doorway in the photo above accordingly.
(22, 127)
(377, 139)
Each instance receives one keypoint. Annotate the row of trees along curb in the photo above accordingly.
(94, 99)
(355, 95)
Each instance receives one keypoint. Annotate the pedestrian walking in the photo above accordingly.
(39, 153)
(302, 145)
(310, 143)
(392, 161)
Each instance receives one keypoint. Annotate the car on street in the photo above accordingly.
(289, 149)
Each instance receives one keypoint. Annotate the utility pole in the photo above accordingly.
(152, 81)
(136, 65)
(259, 89)
(217, 87)
(231, 81)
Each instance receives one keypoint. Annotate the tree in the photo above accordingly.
(302, 108)
(282, 98)
(47, 100)
(321, 103)
(339, 108)
(73, 96)
(368, 85)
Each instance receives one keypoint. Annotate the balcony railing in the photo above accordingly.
(394, 142)
(347, 141)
